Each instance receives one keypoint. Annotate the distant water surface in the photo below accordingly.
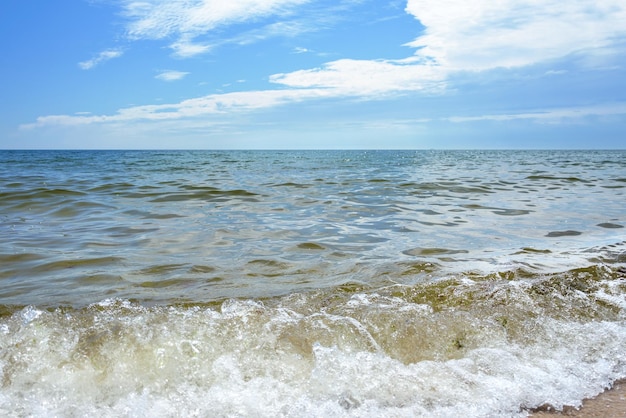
(310, 283)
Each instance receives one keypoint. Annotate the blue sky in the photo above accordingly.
(313, 74)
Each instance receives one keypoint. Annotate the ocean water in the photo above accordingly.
(310, 283)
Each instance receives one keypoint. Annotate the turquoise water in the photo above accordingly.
(310, 283)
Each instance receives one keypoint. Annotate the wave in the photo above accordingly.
(480, 345)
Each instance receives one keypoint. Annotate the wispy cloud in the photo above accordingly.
(237, 102)
(556, 115)
(187, 20)
(100, 58)
(459, 36)
(213, 104)
(171, 75)
(286, 28)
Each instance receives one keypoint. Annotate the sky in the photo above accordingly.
(289, 74)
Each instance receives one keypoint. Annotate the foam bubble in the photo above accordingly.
(488, 347)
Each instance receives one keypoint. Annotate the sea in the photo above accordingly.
(422, 283)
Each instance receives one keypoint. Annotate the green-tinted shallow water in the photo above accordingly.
(311, 283)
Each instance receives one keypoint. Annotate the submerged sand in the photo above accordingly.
(609, 404)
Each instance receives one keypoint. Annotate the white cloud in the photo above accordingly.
(550, 115)
(185, 49)
(458, 36)
(486, 34)
(188, 19)
(171, 75)
(365, 77)
(100, 58)
(214, 104)
(474, 36)
(288, 28)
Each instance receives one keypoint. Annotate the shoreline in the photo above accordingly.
(609, 404)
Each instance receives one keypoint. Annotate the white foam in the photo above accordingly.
(249, 359)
